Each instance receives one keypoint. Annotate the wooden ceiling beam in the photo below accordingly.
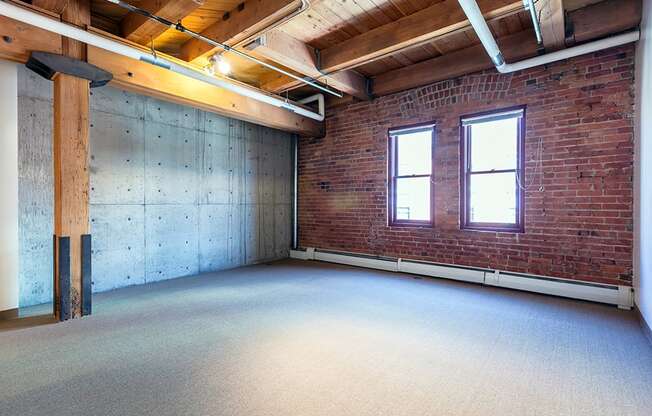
(140, 29)
(434, 21)
(143, 78)
(302, 58)
(621, 15)
(244, 21)
(465, 61)
(600, 19)
(552, 23)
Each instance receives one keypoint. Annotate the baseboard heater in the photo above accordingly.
(619, 295)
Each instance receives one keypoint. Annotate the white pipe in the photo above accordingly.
(481, 28)
(38, 20)
(570, 52)
(476, 19)
(321, 105)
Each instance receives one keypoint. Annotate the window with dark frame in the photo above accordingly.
(410, 185)
(492, 169)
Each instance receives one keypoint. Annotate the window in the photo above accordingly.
(492, 149)
(410, 175)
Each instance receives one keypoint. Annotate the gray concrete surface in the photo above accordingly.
(175, 191)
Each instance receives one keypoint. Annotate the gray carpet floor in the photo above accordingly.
(307, 338)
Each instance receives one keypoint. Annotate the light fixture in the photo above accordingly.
(218, 63)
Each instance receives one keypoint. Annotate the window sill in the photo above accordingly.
(490, 229)
(410, 225)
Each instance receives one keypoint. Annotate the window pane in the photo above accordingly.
(414, 153)
(493, 198)
(494, 145)
(413, 199)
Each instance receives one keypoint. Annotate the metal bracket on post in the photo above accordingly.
(86, 275)
(62, 302)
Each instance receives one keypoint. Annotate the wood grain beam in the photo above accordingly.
(140, 29)
(465, 61)
(621, 15)
(552, 23)
(609, 16)
(239, 24)
(18, 40)
(70, 154)
(302, 58)
(156, 82)
(143, 78)
(434, 21)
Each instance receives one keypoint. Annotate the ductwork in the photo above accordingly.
(481, 28)
(43, 22)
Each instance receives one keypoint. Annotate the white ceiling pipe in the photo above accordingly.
(571, 52)
(321, 105)
(478, 23)
(481, 28)
(38, 20)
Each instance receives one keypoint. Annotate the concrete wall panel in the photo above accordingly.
(216, 186)
(214, 232)
(200, 209)
(117, 159)
(171, 164)
(35, 199)
(119, 102)
(171, 241)
(118, 246)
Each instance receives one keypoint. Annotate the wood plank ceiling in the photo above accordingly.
(327, 26)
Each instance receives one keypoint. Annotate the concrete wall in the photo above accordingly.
(8, 188)
(175, 191)
(643, 169)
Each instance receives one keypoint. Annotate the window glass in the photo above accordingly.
(494, 145)
(493, 198)
(413, 198)
(414, 153)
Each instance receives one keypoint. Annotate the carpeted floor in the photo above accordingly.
(307, 338)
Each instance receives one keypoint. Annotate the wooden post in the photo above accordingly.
(70, 149)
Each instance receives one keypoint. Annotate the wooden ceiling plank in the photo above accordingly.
(429, 23)
(621, 15)
(454, 64)
(242, 22)
(552, 24)
(291, 53)
(613, 16)
(140, 29)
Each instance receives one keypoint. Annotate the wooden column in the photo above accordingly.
(70, 155)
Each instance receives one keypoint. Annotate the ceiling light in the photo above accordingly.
(218, 63)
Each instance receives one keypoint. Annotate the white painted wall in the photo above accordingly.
(643, 169)
(8, 186)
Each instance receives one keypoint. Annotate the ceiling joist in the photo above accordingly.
(434, 21)
(299, 57)
(138, 28)
(240, 24)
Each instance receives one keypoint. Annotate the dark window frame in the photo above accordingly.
(392, 177)
(465, 174)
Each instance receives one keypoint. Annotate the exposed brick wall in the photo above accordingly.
(579, 227)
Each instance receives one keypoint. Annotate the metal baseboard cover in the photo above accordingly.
(620, 295)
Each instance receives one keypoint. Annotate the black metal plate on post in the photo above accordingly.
(86, 275)
(48, 64)
(64, 278)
